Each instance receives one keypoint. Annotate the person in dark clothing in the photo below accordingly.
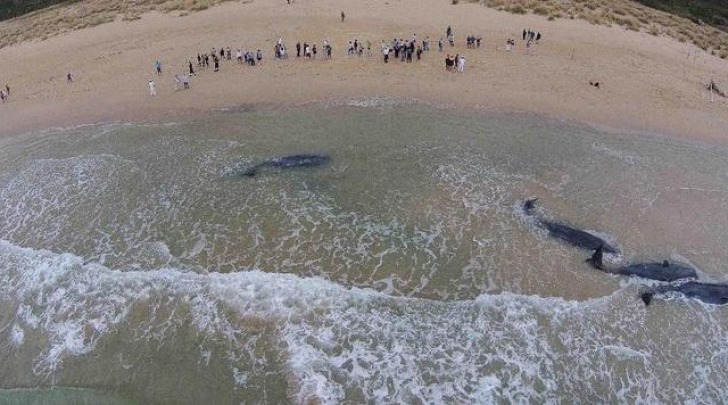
(217, 63)
(524, 34)
(298, 49)
(342, 15)
(192, 71)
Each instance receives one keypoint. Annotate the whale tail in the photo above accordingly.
(647, 297)
(529, 205)
(597, 259)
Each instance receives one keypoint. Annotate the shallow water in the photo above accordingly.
(136, 263)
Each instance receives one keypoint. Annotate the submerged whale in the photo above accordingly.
(287, 162)
(716, 294)
(566, 233)
(664, 271)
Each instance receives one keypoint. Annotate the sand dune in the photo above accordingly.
(647, 84)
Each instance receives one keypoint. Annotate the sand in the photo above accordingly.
(648, 84)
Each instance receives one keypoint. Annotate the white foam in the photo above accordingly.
(624, 156)
(339, 341)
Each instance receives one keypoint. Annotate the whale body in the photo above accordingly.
(664, 271)
(287, 162)
(573, 236)
(709, 293)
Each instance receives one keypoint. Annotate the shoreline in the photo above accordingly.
(180, 117)
(649, 86)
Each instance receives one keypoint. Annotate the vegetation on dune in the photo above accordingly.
(702, 22)
(711, 12)
(15, 8)
(41, 19)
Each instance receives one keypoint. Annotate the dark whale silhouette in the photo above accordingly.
(566, 233)
(287, 162)
(664, 271)
(716, 294)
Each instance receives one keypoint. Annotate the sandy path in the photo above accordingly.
(648, 83)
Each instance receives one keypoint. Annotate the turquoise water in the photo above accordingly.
(134, 262)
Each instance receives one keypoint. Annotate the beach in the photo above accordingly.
(354, 231)
(648, 84)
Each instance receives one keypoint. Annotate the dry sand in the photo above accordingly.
(648, 84)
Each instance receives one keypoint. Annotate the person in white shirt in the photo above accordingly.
(152, 89)
(461, 64)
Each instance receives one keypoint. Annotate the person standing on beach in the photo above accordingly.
(298, 49)
(217, 63)
(461, 64)
(69, 78)
(192, 70)
(259, 56)
(158, 67)
(342, 15)
(152, 89)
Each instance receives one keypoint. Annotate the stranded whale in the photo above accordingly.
(716, 294)
(287, 162)
(572, 236)
(664, 271)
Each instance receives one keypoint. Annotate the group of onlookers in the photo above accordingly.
(529, 35)
(404, 50)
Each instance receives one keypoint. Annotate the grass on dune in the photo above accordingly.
(629, 14)
(73, 15)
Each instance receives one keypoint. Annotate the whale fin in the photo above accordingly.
(597, 258)
(665, 263)
(647, 297)
(529, 205)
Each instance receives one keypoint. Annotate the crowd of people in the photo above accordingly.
(529, 35)
(405, 51)
(400, 49)
(473, 42)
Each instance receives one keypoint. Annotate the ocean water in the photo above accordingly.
(137, 266)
